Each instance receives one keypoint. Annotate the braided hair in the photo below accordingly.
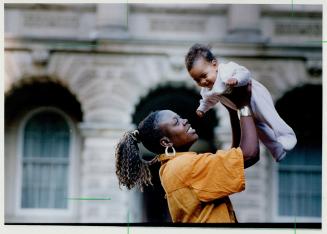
(197, 51)
(131, 169)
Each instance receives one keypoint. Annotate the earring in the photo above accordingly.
(170, 154)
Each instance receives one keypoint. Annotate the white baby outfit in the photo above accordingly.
(274, 133)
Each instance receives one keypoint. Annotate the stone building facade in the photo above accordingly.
(96, 66)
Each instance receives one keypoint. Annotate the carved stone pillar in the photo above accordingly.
(98, 178)
(112, 20)
(243, 24)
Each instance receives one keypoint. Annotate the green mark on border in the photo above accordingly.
(78, 45)
(294, 224)
(316, 42)
(88, 198)
(128, 221)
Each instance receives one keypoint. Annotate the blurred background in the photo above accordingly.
(77, 76)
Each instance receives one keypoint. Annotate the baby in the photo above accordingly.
(219, 79)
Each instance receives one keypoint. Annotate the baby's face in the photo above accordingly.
(204, 73)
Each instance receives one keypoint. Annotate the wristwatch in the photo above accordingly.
(244, 111)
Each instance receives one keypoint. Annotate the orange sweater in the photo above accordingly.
(197, 185)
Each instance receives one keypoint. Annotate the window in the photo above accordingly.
(42, 153)
(45, 161)
(299, 183)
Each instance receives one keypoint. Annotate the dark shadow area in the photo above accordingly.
(301, 108)
(36, 94)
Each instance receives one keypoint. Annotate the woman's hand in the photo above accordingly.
(240, 96)
(231, 82)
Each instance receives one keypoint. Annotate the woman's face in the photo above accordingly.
(177, 130)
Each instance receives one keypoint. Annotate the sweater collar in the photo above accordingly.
(163, 157)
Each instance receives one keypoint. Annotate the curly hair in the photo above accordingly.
(131, 169)
(197, 51)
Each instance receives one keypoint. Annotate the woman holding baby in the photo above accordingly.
(197, 186)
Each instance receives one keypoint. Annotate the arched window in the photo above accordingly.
(299, 174)
(45, 161)
(42, 152)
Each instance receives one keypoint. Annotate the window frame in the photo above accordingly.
(47, 214)
(275, 197)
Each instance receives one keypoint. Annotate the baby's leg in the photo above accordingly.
(264, 110)
(268, 138)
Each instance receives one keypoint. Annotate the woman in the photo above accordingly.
(197, 186)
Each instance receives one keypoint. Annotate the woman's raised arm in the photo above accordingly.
(244, 131)
(236, 128)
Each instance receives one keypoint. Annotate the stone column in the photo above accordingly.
(112, 20)
(243, 24)
(98, 178)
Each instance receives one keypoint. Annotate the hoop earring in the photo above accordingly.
(170, 154)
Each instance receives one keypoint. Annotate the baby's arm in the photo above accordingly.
(203, 107)
(206, 103)
(240, 76)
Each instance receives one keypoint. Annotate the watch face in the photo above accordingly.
(244, 111)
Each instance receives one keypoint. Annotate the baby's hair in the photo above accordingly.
(197, 51)
(131, 169)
